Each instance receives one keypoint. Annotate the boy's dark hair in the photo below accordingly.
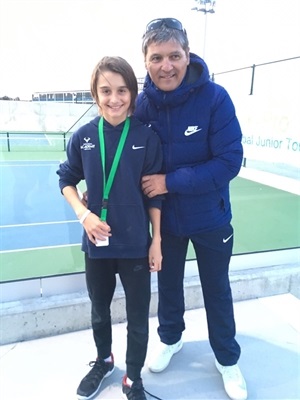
(119, 66)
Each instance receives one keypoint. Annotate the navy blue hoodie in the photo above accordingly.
(127, 212)
(202, 150)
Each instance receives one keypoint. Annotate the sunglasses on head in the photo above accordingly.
(171, 23)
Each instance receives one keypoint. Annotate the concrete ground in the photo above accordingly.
(268, 330)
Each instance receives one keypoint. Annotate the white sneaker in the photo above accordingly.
(234, 382)
(162, 356)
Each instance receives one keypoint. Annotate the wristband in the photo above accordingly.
(84, 215)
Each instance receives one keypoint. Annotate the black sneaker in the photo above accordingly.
(91, 383)
(135, 391)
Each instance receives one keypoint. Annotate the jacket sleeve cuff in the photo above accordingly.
(170, 182)
(155, 202)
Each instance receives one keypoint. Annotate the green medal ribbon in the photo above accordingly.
(107, 184)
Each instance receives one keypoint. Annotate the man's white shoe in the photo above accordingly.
(162, 356)
(234, 382)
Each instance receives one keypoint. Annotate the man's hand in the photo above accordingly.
(153, 185)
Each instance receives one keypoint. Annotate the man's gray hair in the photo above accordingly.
(165, 34)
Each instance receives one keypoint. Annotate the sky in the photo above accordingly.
(49, 45)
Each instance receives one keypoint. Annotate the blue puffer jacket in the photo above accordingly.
(202, 149)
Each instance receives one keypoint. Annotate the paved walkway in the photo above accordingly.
(268, 330)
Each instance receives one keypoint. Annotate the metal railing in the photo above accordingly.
(56, 141)
(253, 68)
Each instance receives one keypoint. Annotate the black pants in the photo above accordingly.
(213, 251)
(101, 283)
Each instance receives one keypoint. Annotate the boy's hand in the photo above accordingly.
(95, 228)
(155, 257)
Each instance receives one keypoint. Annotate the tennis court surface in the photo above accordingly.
(40, 235)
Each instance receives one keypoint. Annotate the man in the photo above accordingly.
(201, 137)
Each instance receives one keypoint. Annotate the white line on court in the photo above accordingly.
(28, 165)
(40, 223)
(39, 248)
(26, 161)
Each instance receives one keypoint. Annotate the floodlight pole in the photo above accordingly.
(205, 6)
